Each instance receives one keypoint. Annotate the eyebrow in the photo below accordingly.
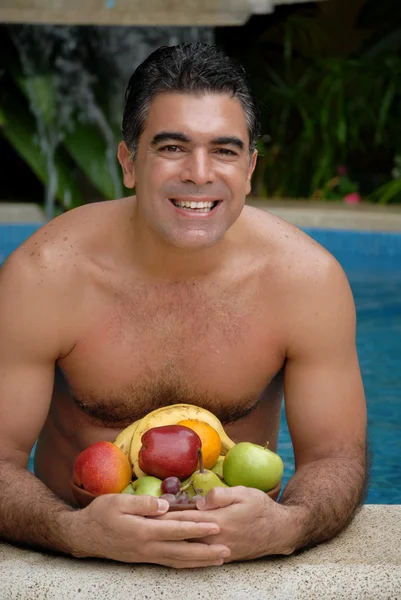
(228, 141)
(164, 136)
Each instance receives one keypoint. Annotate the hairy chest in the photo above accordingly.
(212, 348)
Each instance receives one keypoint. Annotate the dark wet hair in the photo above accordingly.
(194, 68)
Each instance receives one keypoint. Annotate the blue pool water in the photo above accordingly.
(373, 266)
(372, 262)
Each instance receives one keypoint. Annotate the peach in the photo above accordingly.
(102, 468)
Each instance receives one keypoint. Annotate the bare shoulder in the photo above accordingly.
(47, 277)
(292, 256)
(59, 250)
(306, 286)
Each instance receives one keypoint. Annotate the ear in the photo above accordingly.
(127, 165)
(251, 169)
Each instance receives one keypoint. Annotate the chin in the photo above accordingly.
(195, 242)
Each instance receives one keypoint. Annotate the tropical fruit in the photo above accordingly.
(169, 451)
(123, 440)
(211, 442)
(202, 481)
(253, 466)
(171, 415)
(102, 468)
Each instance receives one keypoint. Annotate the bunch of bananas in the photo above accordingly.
(129, 440)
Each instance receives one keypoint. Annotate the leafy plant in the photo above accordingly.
(322, 107)
(19, 128)
(65, 151)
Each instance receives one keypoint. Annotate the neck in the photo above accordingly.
(161, 260)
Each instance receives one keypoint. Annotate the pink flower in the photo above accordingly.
(354, 198)
(341, 170)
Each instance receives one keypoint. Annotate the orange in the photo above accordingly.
(211, 442)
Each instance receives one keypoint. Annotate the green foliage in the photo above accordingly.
(89, 150)
(322, 109)
(338, 187)
(390, 191)
(55, 143)
(19, 128)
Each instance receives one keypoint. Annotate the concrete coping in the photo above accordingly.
(334, 215)
(327, 215)
(362, 563)
(21, 212)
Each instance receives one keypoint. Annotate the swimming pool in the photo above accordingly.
(372, 262)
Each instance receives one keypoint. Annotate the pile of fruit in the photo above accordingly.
(178, 452)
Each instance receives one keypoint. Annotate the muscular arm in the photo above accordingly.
(35, 331)
(326, 412)
(30, 335)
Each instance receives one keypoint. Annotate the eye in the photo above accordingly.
(171, 148)
(226, 152)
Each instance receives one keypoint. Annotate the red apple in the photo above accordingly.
(169, 451)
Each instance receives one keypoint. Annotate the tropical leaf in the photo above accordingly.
(40, 91)
(382, 45)
(86, 143)
(388, 192)
(19, 128)
(88, 147)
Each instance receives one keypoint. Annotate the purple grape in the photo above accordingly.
(171, 485)
(171, 499)
(182, 498)
(195, 499)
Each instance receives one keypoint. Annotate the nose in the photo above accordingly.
(198, 167)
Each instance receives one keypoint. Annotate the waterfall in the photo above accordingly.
(67, 69)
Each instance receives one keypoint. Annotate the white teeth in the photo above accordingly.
(193, 205)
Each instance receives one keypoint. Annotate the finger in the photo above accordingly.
(196, 516)
(219, 498)
(186, 552)
(193, 564)
(143, 505)
(180, 530)
(197, 564)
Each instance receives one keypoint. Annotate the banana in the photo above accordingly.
(124, 439)
(170, 415)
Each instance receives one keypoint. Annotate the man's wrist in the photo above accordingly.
(292, 529)
(70, 533)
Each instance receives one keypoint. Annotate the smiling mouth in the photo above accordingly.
(197, 207)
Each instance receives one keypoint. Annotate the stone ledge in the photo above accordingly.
(21, 212)
(362, 563)
(367, 217)
(332, 215)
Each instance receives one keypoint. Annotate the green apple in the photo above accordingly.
(253, 466)
(147, 485)
(218, 467)
(128, 489)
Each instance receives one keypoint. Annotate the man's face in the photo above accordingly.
(192, 170)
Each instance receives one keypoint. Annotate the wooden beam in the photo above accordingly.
(136, 12)
(126, 12)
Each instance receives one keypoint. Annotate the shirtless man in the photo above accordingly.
(116, 308)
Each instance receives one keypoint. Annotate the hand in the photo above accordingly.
(251, 524)
(115, 526)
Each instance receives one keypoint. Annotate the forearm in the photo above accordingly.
(30, 514)
(326, 493)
